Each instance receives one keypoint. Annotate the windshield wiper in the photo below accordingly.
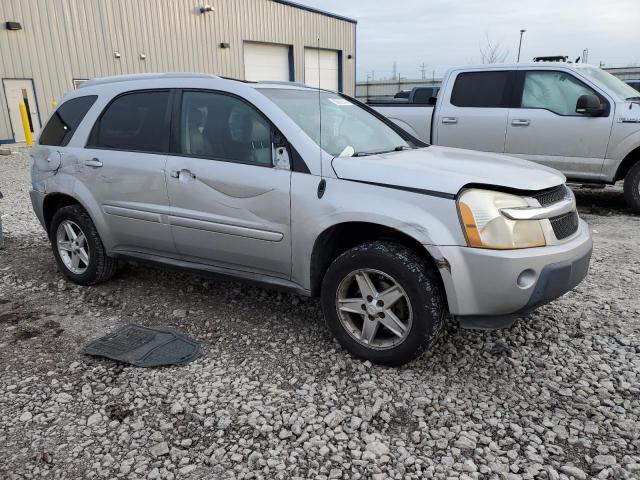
(632, 99)
(395, 149)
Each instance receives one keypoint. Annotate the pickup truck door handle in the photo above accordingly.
(520, 123)
(183, 174)
(93, 163)
(450, 120)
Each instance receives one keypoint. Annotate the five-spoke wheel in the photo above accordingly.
(383, 302)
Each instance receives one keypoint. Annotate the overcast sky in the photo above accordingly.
(444, 33)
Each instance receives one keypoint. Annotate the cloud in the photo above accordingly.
(445, 33)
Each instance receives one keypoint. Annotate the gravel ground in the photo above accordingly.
(273, 396)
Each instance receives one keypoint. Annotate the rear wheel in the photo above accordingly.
(77, 247)
(383, 303)
(632, 188)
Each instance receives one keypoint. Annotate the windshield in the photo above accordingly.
(347, 129)
(616, 86)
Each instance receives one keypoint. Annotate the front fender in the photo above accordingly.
(429, 220)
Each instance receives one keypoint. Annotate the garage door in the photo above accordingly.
(266, 61)
(321, 67)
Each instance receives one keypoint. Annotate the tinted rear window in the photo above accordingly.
(134, 122)
(65, 120)
(481, 89)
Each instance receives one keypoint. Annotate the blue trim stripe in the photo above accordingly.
(315, 10)
(7, 140)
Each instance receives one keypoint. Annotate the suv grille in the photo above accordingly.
(553, 195)
(564, 225)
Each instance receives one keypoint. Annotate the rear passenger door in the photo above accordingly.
(230, 204)
(474, 115)
(122, 167)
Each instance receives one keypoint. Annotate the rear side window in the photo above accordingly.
(482, 90)
(65, 120)
(134, 122)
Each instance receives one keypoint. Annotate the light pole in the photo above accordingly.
(520, 46)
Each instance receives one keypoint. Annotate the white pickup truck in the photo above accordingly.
(576, 118)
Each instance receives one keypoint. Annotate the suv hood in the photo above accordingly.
(446, 170)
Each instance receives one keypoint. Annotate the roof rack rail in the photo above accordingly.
(280, 82)
(144, 76)
(555, 58)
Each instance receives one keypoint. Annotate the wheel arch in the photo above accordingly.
(54, 202)
(338, 238)
(627, 163)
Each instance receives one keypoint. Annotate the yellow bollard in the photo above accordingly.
(25, 124)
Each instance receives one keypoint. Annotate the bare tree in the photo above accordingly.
(493, 52)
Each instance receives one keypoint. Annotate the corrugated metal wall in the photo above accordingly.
(62, 40)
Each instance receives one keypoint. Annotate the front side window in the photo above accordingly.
(554, 91)
(482, 90)
(218, 126)
(135, 122)
(344, 124)
(65, 120)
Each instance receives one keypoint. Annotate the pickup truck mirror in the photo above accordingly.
(433, 100)
(589, 105)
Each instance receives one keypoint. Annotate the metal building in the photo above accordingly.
(49, 47)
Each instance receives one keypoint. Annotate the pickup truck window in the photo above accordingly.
(344, 124)
(554, 91)
(482, 89)
(615, 86)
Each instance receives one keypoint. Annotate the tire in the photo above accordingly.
(632, 188)
(99, 266)
(420, 308)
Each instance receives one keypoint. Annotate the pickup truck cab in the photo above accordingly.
(576, 118)
(308, 191)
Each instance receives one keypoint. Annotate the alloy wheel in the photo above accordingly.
(73, 247)
(374, 309)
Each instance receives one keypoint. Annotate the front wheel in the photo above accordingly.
(383, 303)
(632, 188)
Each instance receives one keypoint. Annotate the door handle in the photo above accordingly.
(94, 163)
(520, 123)
(184, 173)
(450, 120)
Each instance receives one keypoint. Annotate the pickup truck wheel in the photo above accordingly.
(383, 303)
(632, 188)
(77, 247)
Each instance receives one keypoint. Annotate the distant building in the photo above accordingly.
(48, 47)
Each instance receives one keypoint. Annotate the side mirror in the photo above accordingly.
(433, 100)
(589, 105)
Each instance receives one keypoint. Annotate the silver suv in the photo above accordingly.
(308, 191)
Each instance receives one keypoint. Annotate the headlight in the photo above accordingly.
(486, 227)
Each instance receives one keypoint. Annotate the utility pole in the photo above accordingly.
(585, 55)
(520, 45)
(423, 70)
(395, 70)
(433, 77)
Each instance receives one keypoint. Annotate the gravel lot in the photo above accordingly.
(273, 396)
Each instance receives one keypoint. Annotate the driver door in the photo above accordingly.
(545, 127)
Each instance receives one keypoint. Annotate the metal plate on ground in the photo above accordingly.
(146, 346)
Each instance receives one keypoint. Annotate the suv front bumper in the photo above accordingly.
(491, 288)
